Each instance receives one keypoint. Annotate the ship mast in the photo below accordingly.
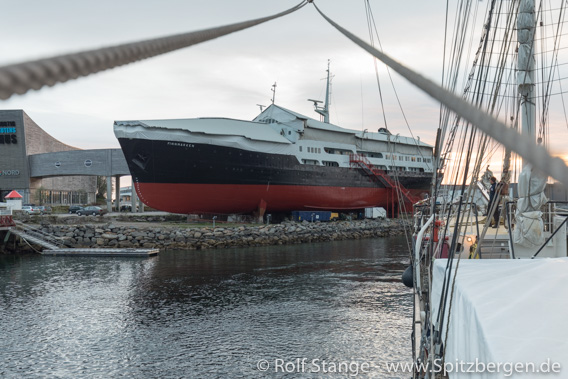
(526, 64)
(325, 110)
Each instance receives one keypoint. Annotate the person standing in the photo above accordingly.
(492, 199)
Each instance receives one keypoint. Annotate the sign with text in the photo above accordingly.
(8, 132)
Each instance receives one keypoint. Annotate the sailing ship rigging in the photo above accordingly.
(451, 325)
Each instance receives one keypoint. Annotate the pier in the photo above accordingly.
(54, 246)
(104, 252)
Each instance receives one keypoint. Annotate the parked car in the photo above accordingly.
(31, 210)
(93, 210)
(75, 208)
(44, 210)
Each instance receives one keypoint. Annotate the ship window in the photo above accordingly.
(413, 159)
(330, 164)
(300, 148)
(310, 161)
(370, 154)
(289, 132)
(331, 150)
(419, 159)
(319, 150)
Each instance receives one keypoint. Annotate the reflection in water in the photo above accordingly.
(212, 313)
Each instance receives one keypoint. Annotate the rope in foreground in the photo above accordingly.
(22, 77)
(537, 155)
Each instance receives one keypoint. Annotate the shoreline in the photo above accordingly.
(155, 232)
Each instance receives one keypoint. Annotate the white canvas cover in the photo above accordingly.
(529, 225)
(506, 311)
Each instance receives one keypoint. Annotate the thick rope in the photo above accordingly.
(22, 77)
(537, 155)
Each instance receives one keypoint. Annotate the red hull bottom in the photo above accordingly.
(233, 198)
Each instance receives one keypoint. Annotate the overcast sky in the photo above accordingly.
(229, 76)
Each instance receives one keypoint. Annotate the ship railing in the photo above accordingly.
(550, 210)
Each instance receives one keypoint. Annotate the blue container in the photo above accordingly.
(311, 216)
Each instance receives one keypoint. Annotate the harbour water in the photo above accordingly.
(279, 311)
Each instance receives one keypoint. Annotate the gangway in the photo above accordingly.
(33, 239)
(52, 246)
(483, 190)
(358, 160)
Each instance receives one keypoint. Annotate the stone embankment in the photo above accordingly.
(190, 238)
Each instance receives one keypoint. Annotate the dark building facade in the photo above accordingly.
(20, 139)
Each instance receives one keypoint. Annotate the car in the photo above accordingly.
(31, 210)
(92, 210)
(75, 208)
(44, 210)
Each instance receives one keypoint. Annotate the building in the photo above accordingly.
(20, 140)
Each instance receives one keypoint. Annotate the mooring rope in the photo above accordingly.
(21, 77)
(537, 155)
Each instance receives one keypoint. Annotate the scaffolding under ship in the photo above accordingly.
(281, 161)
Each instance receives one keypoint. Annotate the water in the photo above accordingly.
(208, 314)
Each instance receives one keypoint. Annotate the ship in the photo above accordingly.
(279, 162)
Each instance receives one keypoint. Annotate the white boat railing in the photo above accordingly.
(418, 249)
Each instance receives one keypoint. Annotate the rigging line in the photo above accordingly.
(547, 11)
(479, 54)
(457, 231)
(370, 29)
(541, 38)
(21, 77)
(547, 94)
(457, 59)
(485, 73)
(444, 57)
(457, 44)
(515, 28)
(515, 96)
(372, 19)
(562, 97)
(537, 155)
(510, 83)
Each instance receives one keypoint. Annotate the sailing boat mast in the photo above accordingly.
(526, 63)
